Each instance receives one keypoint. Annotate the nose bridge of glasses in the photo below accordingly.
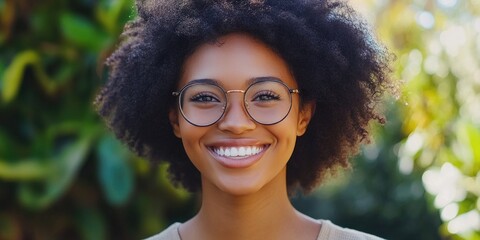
(237, 91)
(227, 93)
(242, 97)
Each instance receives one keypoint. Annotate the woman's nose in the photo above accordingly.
(236, 120)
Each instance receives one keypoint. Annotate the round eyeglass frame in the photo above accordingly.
(245, 104)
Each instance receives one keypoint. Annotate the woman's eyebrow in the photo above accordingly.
(250, 81)
(204, 80)
(259, 79)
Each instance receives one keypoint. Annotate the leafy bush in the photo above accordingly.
(62, 173)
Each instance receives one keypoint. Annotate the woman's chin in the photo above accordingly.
(236, 187)
(247, 185)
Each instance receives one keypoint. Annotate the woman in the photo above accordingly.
(248, 101)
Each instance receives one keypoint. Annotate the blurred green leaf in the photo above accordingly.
(68, 163)
(24, 170)
(82, 32)
(469, 138)
(114, 170)
(13, 75)
(108, 13)
(473, 134)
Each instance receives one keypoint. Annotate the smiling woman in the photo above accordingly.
(247, 101)
(239, 63)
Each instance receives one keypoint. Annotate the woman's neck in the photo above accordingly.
(265, 214)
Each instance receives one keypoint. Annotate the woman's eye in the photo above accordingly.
(204, 98)
(266, 96)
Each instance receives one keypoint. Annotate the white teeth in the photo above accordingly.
(234, 152)
(238, 151)
(241, 151)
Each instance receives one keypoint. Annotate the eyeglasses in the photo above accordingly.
(203, 102)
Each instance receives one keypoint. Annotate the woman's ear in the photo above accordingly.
(305, 115)
(173, 117)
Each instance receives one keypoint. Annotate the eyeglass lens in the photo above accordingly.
(266, 102)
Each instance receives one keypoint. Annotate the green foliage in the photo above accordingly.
(80, 32)
(62, 174)
(438, 50)
(116, 176)
(65, 164)
(437, 153)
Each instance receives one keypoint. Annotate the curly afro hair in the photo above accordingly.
(331, 52)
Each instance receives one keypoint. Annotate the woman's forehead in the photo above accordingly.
(235, 56)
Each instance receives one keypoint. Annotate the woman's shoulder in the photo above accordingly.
(170, 233)
(334, 232)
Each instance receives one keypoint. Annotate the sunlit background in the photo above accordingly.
(63, 176)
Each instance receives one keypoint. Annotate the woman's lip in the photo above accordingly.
(238, 162)
(235, 143)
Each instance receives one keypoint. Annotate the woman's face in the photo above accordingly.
(257, 154)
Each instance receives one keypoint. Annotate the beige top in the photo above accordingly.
(328, 231)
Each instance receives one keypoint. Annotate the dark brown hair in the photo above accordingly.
(333, 55)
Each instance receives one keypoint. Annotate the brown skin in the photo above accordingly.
(249, 202)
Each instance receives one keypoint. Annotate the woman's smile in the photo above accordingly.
(237, 153)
